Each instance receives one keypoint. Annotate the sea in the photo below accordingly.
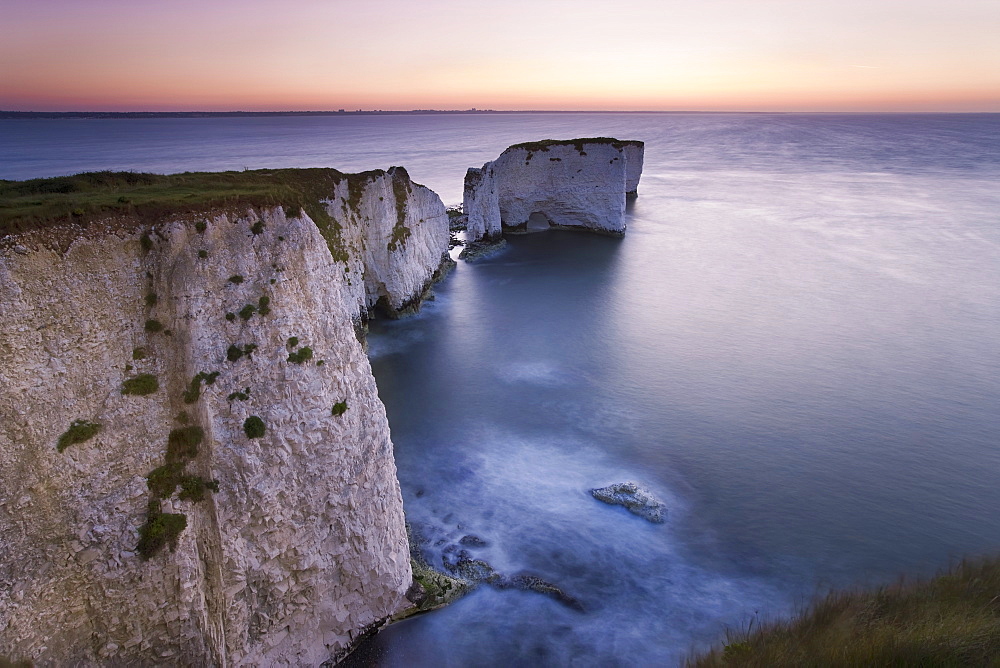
(796, 347)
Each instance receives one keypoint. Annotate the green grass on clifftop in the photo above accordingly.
(578, 144)
(952, 620)
(39, 203)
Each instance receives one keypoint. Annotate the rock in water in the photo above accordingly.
(579, 184)
(636, 499)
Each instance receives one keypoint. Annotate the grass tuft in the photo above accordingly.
(951, 620)
(183, 442)
(78, 432)
(141, 385)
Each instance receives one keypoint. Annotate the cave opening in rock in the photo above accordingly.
(538, 222)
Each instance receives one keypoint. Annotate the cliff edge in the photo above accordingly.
(573, 184)
(195, 466)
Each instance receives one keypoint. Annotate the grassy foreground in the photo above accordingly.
(39, 203)
(952, 620)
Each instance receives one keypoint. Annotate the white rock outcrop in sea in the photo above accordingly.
(303, 545)
(635, 499)
(573, 183)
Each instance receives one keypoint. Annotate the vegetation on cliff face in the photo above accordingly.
(79, 431)
(578, 144)
(159, 529)
(952, 620)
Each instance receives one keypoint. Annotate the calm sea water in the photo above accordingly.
(796, 346)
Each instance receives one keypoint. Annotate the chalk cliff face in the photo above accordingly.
(303, 543)
(577, 183)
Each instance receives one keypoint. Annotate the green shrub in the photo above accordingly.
(200, 226)
(258, 227)
(160, 529)
(163, 480)
(321, 363)
(202, 254)
(242, 396)
(230, 317)
(193, 392)
(146, 243)
(138, 353)
(301, 355)
(292, 341)
(78, 432)
(193, 488)
(264, 305)
(247, 311)
(182, 443)
(234, 352)
(151, 299)
(254, 427)
(141, 385)
(236, 279)
(153, 326)
(339, 408)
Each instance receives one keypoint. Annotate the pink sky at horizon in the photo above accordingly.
(714, 55)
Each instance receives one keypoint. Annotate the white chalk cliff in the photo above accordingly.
(303, 544)
(575, 183)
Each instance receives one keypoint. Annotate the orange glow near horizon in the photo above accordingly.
(849, 55)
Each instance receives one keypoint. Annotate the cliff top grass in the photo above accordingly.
(951, 620)
(40, 203)
(546, 144)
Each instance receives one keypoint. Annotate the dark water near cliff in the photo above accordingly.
(797, 346)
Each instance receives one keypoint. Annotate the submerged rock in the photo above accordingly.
(479, 571)
(538, 585)
(478, 250)
(637, 500)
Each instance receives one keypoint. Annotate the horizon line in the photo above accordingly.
(345, 112)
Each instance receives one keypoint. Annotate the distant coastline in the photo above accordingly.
(339, 112)
(9, 115)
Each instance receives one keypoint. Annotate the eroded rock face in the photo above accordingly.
(303, 544)
(577, 183)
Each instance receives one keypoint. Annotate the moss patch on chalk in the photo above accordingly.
(141, 385)
(79, 431)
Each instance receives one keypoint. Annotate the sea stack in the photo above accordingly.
(570, 184)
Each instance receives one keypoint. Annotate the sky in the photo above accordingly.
(656, 55)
